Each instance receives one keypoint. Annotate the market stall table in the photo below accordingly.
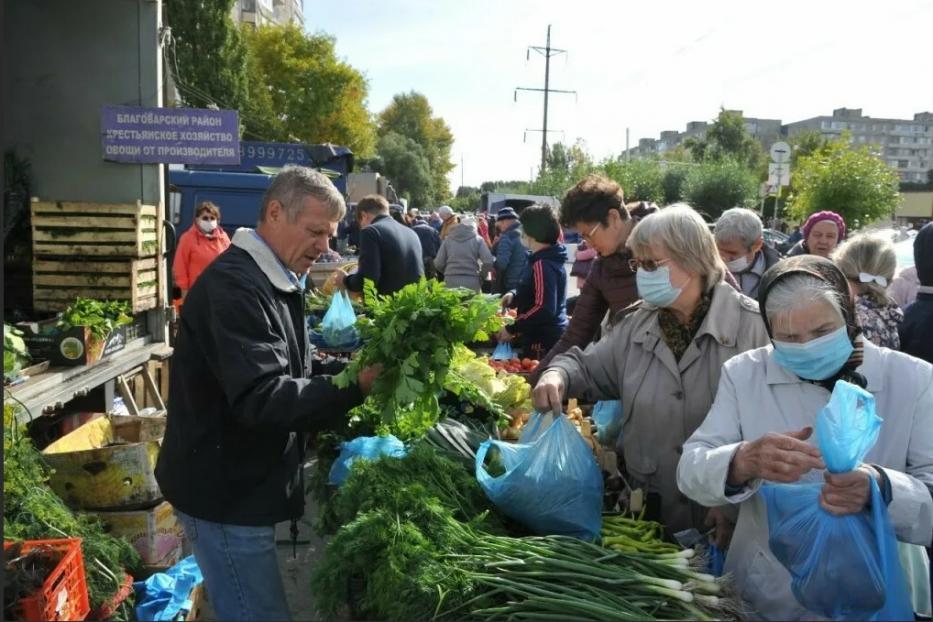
(52, 389)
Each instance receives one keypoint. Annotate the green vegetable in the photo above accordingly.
(15, 354)
(412, 334)
(100, 317)
(31, 511)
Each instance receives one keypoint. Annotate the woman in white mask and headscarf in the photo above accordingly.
(663, 359)
(199, 246)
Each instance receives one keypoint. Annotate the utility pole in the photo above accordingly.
(547, 51)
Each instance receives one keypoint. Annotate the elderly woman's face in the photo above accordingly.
(806, 323)
(823, 238)
(658, 256)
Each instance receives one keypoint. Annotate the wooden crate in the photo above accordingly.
(66, 229)
(56, 283)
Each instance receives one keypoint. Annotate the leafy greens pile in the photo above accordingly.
(32, 511)
(100, 317)
(15, 354)
(413, 334)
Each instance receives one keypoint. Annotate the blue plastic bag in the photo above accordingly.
(339, 325)
(367, 448)
(552, 484)
(503, 352)
(164, 594)
(608, 418)
(842, 567)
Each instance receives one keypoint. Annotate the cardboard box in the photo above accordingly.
(70, 348)
(155, 532)
(108, 463)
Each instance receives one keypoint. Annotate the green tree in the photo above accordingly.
(854, 183)
(673, 181)
(513, 187)
(566, 166)
(805, 144)
(641, 179)
(712, 187)
(304, 91)
(406, 163)
(410, 115)
(209, 54)
(727, 138)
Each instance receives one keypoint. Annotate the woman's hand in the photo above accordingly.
(847, 493)
(548, 394)
(367, 377)
(504, 335)
(506, 300)
(775, 457)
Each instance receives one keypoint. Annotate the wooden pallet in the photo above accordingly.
(67, 229)
(56, 284)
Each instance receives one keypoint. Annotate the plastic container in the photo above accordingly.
(63, 595)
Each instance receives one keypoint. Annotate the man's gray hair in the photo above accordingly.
(686, 236)
(294, 184)
(739, 224)
(797, 291)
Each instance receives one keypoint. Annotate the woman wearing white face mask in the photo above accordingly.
(199, 246)
(760, 428)
(662, 359)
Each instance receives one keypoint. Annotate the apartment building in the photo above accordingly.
(906, 144)
(264, 12)
(766, 131)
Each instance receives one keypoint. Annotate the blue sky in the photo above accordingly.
(648, 66)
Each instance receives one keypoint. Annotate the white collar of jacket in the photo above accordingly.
(872, 368)
(281, 277)
(720, 322)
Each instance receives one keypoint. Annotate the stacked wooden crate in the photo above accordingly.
(95, 250)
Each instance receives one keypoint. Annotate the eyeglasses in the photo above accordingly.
(589, 236)
(648, 265)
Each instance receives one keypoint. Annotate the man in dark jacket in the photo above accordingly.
(430, 243)
(390, 253)
(916, 331)
(541, 296)
(740, 240)
(242, 404)
(511, 254)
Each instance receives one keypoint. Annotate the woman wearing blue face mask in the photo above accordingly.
(760, 428)
(662, 359)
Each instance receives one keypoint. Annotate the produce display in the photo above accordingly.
(100, 317)
(31, 511)
(420, 541)
(15, 354)
(317, 303)
(413, 334)
(635, 535)
(515, 365)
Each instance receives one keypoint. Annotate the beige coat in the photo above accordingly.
(757, 396)
(663, 401)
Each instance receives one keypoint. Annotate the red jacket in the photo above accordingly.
(195, 252)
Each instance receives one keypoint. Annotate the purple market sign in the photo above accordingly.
(170, 135)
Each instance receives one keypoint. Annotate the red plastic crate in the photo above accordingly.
(63, 596)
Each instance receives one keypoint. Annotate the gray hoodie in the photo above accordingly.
(463, 256)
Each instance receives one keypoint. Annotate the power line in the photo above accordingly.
(547, 51)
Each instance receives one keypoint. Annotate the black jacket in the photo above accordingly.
(241, 405)
(916, 331)
(429, 237)
(390, 256)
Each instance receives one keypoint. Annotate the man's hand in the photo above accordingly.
(504, 335)
(847, 493)
(724, 527)
(340, 279)
(367, 377)
(548, 394)
(775, 457)
(506, 300)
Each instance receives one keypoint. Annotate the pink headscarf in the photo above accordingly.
(821, 216)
